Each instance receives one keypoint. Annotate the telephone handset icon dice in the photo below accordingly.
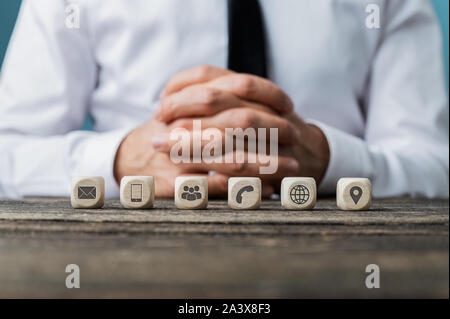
(244, 192)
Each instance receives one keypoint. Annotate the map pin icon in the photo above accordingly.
(356, 193)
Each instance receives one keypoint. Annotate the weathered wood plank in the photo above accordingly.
(383, 212)
(222, 253)
(26, 227)
(223, 266)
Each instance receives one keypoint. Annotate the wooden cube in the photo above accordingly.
(88, 192)
(191, 192)
(298, 193)
(244, 192)
(137, 192)
(354, 193)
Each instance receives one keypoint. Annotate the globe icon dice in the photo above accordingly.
(298, 193)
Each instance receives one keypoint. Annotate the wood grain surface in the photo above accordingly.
(224, 253)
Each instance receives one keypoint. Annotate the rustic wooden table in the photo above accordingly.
(169, 253)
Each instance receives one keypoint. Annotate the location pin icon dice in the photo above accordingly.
(354, 193)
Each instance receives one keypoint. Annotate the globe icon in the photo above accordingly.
(299, 194)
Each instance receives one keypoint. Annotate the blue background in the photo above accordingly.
(10, 8)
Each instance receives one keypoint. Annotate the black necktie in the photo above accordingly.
(247, 50)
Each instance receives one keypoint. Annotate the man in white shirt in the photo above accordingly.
(349, 100)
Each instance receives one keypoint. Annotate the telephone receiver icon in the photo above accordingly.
(243, 190)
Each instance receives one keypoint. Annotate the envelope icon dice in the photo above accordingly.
(87, 192)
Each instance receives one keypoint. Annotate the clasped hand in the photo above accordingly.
(222, 99)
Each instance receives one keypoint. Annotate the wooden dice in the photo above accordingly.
(137, 192)
(354, 193)
(88, 192)
(191, 192)
(298, 193)
(244, 192)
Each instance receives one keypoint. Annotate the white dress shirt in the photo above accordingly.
(378, 94)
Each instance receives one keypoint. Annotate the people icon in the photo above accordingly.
(191, 193)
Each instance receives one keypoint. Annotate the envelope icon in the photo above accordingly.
(87, 192)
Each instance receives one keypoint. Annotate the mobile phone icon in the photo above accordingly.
(136, 193)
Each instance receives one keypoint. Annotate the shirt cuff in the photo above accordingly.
(96, 156)
(349, 157)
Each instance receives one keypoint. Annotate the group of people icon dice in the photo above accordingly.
(244, 193)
